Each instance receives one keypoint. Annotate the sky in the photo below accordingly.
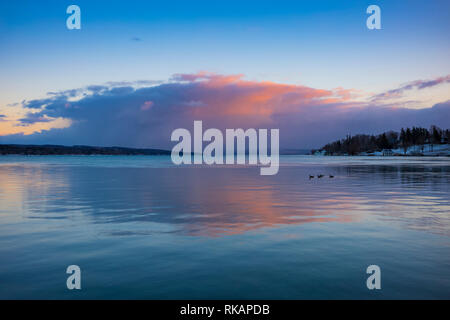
(137, 70)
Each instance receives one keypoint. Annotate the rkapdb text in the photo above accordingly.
(235, 147)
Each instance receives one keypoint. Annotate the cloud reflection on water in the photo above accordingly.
(223, 201)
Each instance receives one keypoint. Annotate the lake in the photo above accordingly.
(141, 228)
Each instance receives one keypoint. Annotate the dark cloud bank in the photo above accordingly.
(123, 115)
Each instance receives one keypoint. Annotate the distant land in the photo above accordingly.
(294, 151)
(415, 141)
(19, 149)
(48, 149)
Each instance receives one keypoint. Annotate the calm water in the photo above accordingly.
(141, 228)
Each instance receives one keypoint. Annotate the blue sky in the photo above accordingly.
(320, 44)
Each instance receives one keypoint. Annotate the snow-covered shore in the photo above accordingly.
(416, 150)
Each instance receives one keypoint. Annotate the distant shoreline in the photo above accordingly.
(415, 141)
(391, 156)
(427, 150)
(18, 149)
(47, 150)
(80, 150)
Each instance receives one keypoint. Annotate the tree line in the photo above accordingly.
(75, 150)
(415, 136)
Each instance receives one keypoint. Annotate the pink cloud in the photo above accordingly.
(146, 116)
(417, 84)
(232, 96)
(146, 105)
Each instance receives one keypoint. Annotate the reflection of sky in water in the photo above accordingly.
(147, 208)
